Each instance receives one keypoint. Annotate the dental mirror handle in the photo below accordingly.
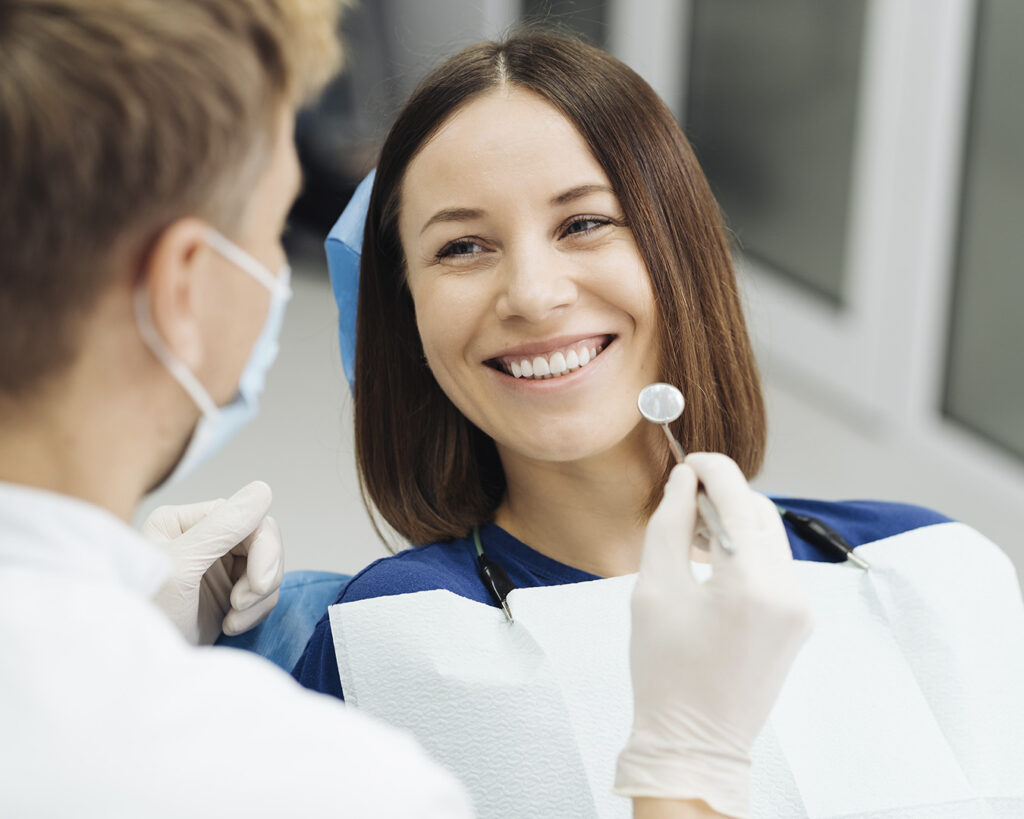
(710, 515)
(704, 505)
(677, 449)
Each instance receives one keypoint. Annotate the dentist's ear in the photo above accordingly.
(173, 277)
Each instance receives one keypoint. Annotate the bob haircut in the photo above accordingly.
(430, 473)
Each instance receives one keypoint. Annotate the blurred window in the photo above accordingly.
(985, 366)
(771, 109)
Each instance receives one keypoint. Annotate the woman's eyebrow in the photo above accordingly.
(452, 215)
(580, 191)
(466, 214)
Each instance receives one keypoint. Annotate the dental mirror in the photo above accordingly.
(662, 404)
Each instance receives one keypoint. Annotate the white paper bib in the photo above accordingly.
(907, 701)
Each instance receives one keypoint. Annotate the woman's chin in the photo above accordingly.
(563, 449)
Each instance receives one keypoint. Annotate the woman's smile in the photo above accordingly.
(556, 380)
(552, 359)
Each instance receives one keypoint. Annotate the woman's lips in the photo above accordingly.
(557, 361)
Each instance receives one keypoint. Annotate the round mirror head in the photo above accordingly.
(660, 403)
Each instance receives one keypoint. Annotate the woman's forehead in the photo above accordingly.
(507, 142)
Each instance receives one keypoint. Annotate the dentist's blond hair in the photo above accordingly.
(118, 117)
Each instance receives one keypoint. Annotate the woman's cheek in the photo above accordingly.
(438, 342)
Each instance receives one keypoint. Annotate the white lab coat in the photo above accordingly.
(106, 711)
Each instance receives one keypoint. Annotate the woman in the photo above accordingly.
(449, 435)
(540, 245)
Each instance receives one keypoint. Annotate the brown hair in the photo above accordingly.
(430, 473)
(118, 117)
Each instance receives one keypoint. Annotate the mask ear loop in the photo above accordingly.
(234, 254)
(182, 374)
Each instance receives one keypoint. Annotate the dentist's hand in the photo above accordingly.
(228, 562)
(708, 660)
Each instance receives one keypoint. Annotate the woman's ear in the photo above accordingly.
(173, 277)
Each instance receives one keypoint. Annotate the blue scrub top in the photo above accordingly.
(453, 566)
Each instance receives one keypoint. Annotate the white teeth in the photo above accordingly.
(556, 364)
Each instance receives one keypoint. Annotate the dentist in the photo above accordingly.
(147, 167)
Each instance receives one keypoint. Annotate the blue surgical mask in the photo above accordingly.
(219, 424)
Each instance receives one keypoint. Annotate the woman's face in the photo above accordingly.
(534, 307)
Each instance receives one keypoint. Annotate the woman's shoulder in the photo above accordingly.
(858, 521)
(449, 565)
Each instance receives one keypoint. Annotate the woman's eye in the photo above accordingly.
(460, 247)
(584, 224)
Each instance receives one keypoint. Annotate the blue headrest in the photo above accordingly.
(344, 246)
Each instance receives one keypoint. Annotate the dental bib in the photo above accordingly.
(907, 701)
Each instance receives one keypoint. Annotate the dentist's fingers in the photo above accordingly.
(264, 551)
(726, 487)
(257, 590)
(168, 522)
(238, 622)
(229, 523)
(670, 530)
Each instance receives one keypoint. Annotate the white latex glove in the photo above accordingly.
(708, 660)
(228, 562)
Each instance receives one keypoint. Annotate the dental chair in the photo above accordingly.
(305, 596)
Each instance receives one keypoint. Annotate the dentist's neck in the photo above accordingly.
(586, 514)
(98, 431)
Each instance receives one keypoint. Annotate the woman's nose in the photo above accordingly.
(535, 285)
